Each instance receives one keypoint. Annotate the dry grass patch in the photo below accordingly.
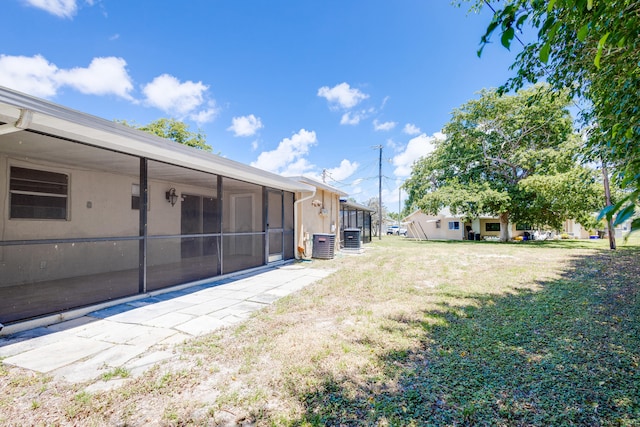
(410, 333)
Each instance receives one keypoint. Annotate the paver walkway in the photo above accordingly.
(136, 335)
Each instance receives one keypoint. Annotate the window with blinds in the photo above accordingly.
(38, 194)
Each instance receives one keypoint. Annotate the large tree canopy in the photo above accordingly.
(511, 156)
(592, 49)
(174, 130)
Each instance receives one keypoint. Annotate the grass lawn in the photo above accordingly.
(409, 333)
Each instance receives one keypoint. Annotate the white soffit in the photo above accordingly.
(63, 122)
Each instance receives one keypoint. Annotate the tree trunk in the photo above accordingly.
(607, 194)
(504, 226)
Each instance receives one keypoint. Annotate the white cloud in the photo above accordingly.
(104, 76)
(342, 96)
(33, 75)
(383, 126)
(411, 129)
(60, 8)
(254, 145)
(37, 76)
(395, 146)
(356, 190)
(417, 147)
(337, 174)
(170, 95)
(355, 117)
(288, 156)
(245, 125)
(297, 168)
(351, 119)
(344, 171)
(107, 76)
(206, 115)
(390, 198)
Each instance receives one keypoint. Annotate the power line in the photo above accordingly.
(494, 13)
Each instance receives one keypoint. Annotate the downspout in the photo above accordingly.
(300, 234)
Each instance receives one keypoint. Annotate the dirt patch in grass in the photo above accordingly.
(410, 333)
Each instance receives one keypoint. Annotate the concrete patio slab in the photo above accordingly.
(201, 325)
(209, 307)
(58, 354)
(100, 364)
(138, 334)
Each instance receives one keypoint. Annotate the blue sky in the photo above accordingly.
(294, 87)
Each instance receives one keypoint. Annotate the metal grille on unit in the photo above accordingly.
(352, 238)
(323, 246)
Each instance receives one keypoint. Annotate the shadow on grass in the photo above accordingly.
(568, 354)
(559, 244)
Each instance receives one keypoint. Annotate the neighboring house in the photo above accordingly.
(354, 215)
(443, 226)
(576, 230)
(317, 214)
(624, 229)
(446, 226)
(92, 211)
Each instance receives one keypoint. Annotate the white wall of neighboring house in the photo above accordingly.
(575, 229)
(489, 233)
(434, 227)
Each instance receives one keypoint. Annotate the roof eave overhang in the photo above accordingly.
(356, 206)
(56, 120)
(319, 185)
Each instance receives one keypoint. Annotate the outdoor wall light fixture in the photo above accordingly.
(171, 196)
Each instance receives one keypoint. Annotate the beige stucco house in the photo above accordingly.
(447, 226)
(317, 213)
(443, 226)
(92, 211)
(576, 230)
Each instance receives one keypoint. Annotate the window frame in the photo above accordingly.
(454, 225)
(64, 184)
(492, 228)
(135, 196)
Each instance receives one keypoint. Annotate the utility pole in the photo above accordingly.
(324, 176)
(379, 147)
(399, 198)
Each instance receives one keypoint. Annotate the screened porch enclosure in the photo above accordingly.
(353, 215)
(83, 225)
